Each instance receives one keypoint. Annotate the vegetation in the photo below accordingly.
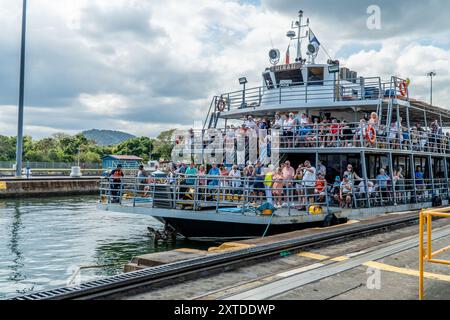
(107, 137)
(65, 148)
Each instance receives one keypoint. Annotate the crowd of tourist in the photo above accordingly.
(299, 187)
(300, 130)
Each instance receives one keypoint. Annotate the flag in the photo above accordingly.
(313, 38)
(287, 54)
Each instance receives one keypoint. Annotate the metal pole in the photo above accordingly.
(299, 43)
(19, 145)
(431, 75)
(431, 90)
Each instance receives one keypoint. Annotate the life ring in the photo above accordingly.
(371, 134)
(221, 105)
(403, 87)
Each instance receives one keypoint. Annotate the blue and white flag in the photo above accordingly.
(313, 38)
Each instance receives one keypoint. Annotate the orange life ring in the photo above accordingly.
(221, 105)
(403, 88)
(371, 134)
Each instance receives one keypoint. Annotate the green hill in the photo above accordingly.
(107, 137)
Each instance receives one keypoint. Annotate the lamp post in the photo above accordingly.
(243, 81)
(431, 75)
(19, 144)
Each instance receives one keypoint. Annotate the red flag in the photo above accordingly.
(287, 54)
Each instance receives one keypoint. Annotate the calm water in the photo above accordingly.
(42, 242)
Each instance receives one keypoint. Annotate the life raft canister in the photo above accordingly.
(371, 134)
(403, 87)
(221, 105)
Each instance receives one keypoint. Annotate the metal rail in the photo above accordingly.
(124, 282)
(58, 178)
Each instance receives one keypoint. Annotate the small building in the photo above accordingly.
(127, 162)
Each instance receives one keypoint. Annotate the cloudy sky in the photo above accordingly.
(143, 66)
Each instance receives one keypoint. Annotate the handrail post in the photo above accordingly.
(134, 191)
(195, 193)
(279, 94)
(306, 91)
(421, 255)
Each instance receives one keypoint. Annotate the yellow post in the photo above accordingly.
(421, 254)
(429, 248)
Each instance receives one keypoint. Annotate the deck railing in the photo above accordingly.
(330, 136)
(296, 196)
(359, 89)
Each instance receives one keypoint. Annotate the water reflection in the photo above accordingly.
(41, 239)
(14, 246)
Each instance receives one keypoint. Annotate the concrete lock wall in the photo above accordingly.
(47, 187)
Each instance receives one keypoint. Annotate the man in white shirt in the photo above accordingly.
(250, 123)
(309, 180)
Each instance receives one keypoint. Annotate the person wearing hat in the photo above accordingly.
(336, 190)
(346, 195)
(116, 176)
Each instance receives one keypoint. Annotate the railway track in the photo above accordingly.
(123, 283)
(49, 178)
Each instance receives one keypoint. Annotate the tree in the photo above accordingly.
(164, 145)
(140, 147)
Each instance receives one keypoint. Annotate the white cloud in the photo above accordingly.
(146, 66)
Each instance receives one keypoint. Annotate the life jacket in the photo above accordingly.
(116, 175)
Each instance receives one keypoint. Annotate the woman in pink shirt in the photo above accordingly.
(278, 185)
(288, 177)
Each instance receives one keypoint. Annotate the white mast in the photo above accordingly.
(297, 25)
(299, 42)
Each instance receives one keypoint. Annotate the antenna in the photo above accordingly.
(299, 36)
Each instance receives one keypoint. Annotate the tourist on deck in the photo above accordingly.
(335, 190)
(398, 186)
(382, 182)
(142, 177)
(346, 135)
(334, 133)
(420, 182)
(298, 184)
(202, 181)
(321, 169)
(278, 184)
(309, 180)
(116, 176)
(235, 175)
(250, 123)
(360, 133)
(190, 174)
(268, 183)
(214, 171)
(352, 175)
(182, 169)
(258, 185)
(288, 130)
(249, 182)
(320, 188)
(433, 135)
(374, 120)
(288, 176)
(278, 122)
(365, 193)
(346, 192)
(224, 174)
(393, 136)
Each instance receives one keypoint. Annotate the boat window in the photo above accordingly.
(268, 80)
(315, 76)
(289, 77)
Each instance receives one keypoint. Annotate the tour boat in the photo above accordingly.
(397, 145)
